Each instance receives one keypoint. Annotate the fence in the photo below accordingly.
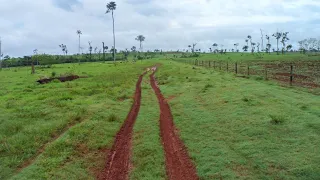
(299, 73)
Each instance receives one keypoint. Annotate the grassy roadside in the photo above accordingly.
(32, 116)
(147, 154)
(237, 128)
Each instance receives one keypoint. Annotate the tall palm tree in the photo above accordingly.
(250, 38)
(79, 34)
(111, 6)
(236, 46)
(140, 38)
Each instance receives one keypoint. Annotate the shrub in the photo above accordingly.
(277, 119)
(53, 74)
(113, 118)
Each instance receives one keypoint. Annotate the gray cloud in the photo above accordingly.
(66, 4)
(166, 24)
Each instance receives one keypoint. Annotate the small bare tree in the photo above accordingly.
(278, 36)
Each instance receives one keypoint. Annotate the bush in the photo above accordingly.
(276, 119)
(113, 118)
(53, 74)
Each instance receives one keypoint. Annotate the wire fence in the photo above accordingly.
(299, 73)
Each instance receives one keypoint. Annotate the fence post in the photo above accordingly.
(291, 75)
(227, 66)
(248, 70)
(236, 68)
(266, 72)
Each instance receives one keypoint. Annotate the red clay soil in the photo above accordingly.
(118, 161)
(179, 166)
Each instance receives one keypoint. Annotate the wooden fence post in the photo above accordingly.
(291, 75)
(227, 66)
(236, 68)
(266, 72)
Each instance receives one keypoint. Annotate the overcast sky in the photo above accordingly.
(167, 24)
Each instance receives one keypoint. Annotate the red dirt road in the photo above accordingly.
(179, 166)
(118, 161)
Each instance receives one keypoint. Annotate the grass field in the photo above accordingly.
(234, 128)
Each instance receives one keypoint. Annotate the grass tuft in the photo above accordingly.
(113, 118)
(277, 119)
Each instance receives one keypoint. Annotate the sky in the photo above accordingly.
(26, 25)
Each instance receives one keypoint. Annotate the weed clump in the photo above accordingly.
(277, 119)
(53, 74)
(113, 118)
(206, 87)
(245, 99)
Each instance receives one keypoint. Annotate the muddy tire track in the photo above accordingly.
(118, 161)
(179, 166)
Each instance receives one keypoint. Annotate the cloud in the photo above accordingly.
(66, 4)
(166, 24)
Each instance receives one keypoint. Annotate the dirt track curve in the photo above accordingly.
(117, 166)
(178, 163)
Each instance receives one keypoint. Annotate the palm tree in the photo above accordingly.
(289, 47)
(250, 38)
(284, 40)
(140, 38)
(277, 35)
(64, 48)
(236, 46)
(79, 34)
(189, 46)
(268, 44)
(215, 45)
(111, 6)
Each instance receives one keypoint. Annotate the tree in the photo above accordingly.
(111, 6)
(278, 36)
(189, 46)
(284, 40)
(268, 48)
(140, 38)
(90, 50)
(258, 47)
(245, 48)
(133, 49)
(261, 41)
(193, 46)
(210, 49)
(64, 48)
(250, 38)
(35, 52)
(253, 47)
(215, 45)
(0, 54)
(126, 53)
(236, 46)
(104, 50)
(289, 47)
(312, 44)
(79, 34)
